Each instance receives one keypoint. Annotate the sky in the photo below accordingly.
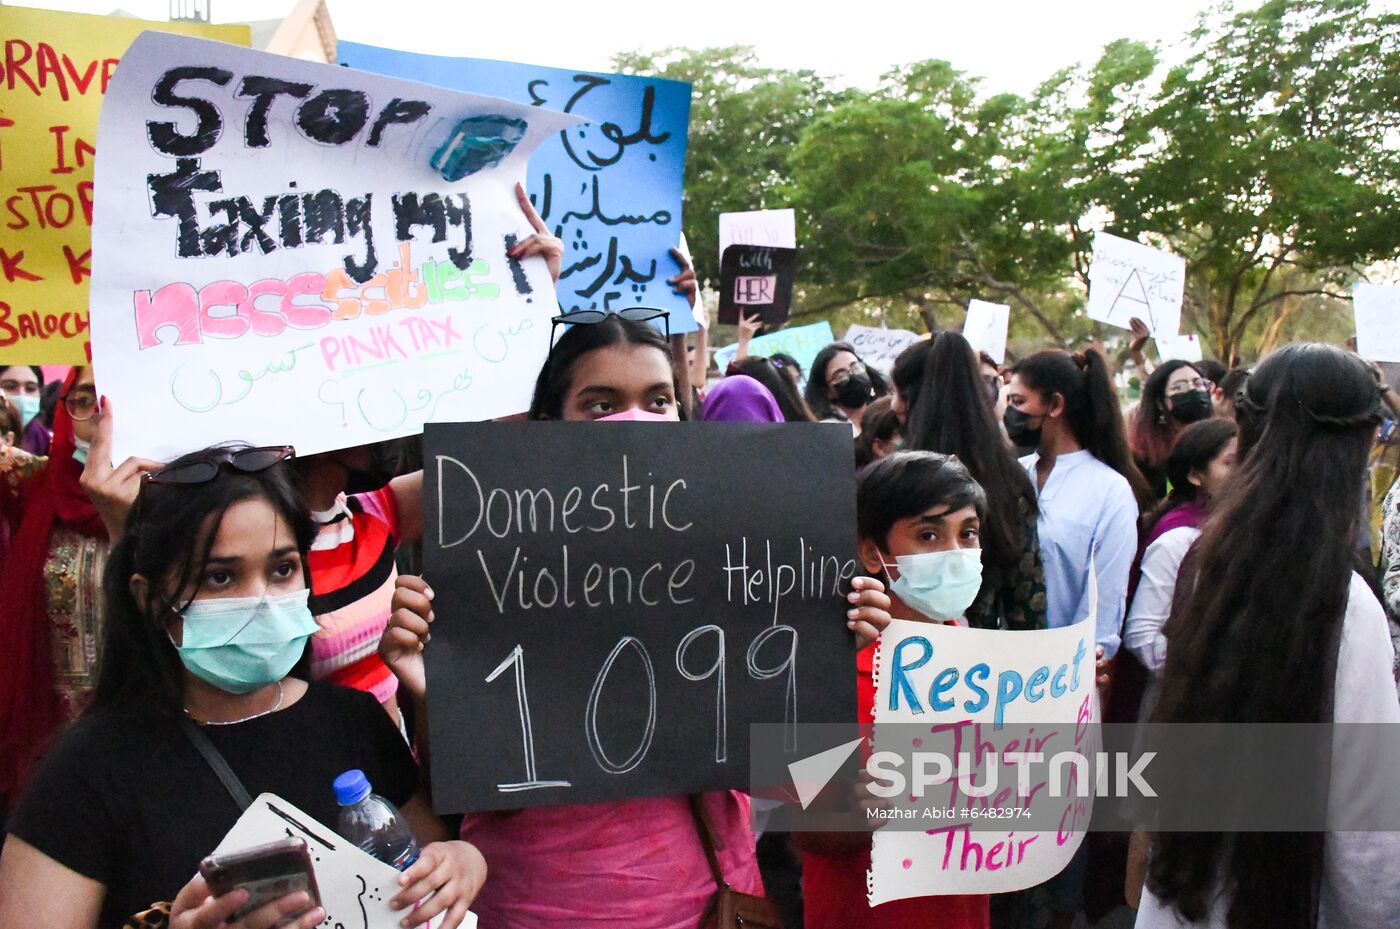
(1012, 44)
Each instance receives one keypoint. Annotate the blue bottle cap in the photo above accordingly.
(351, 787)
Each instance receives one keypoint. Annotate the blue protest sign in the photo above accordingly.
(801, 342)
(611, 188)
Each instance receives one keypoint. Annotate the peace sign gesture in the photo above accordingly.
(542, 243)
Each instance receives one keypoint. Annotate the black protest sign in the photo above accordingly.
(756, 279)
(617, 602)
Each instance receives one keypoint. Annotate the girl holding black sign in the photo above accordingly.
(629, 863)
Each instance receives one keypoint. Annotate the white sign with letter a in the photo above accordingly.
(1128, 280)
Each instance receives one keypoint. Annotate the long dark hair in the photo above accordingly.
(168, 537)
(905, 484)
(1257, 620)
(1198, 445)
(877, 424)
(949, 413)
(815, 394)
(780, 386)
(1091, 407)
(557, 372)
(1151, 435)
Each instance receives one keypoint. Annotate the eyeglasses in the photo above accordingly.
(636, 314)
(81, 403)
(246, 460)
(16, 388)
(837, 378)
(1185, 387)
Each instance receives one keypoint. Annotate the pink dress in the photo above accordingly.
(634, 863)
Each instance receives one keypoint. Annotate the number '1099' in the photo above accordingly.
(689, 656)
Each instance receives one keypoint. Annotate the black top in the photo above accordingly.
(126, 799)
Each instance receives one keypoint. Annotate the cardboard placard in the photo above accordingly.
(986, 328)
(775, 228)
(1128, 279)
(1043, 677)
(355, 887)
(610, 189)
(57, 66)
(801, 342)
(608, 630)
(1377, 311)
(879, 346)
(303, 274)
(756, 279)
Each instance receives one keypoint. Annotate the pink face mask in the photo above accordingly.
(634, 416)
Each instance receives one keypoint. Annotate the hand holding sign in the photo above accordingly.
(113, 491)
(542, 244)
(408, 631)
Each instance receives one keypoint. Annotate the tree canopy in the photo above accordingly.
(1269, 158)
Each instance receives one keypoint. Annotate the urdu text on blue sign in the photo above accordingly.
(611, 188)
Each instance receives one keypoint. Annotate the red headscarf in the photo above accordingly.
(29, 705)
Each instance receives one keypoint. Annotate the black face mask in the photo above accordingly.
(1190, 407)
(855, 391)
(1017, 423)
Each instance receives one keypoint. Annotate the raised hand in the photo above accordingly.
(112, 490)
(542, 243)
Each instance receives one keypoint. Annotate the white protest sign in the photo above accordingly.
(950, 690)
(1186, 347)
(1127, 279)
(276, 260)
(877, 346)
(355, 887)
(986, 326)
(1377, 310)
(774, 228)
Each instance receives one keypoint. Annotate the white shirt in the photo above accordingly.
(1086, 509)
(1359, 889)
(1152, 603)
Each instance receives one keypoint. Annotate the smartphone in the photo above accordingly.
(268, 872)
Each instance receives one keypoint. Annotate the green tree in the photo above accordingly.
(1278, 176)
(744, 119)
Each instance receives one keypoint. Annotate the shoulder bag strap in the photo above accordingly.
(707, 839)
(231, 783)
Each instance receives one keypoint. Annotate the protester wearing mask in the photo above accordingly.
(1175, 396)
(23, 386)
(948, 410)
(207, 596)
(1273, 625)
(841, 386)
(628, 863)
(51, 630)
(919, 522)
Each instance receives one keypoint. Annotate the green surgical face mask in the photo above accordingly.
(28, 407)
(243, 644)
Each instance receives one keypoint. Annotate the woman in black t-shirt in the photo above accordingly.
(207, 603)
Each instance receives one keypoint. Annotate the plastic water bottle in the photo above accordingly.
(372, 822)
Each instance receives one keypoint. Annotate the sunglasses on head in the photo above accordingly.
(636, 314)
(246, 460)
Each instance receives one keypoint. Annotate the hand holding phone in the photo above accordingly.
(267, 873)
